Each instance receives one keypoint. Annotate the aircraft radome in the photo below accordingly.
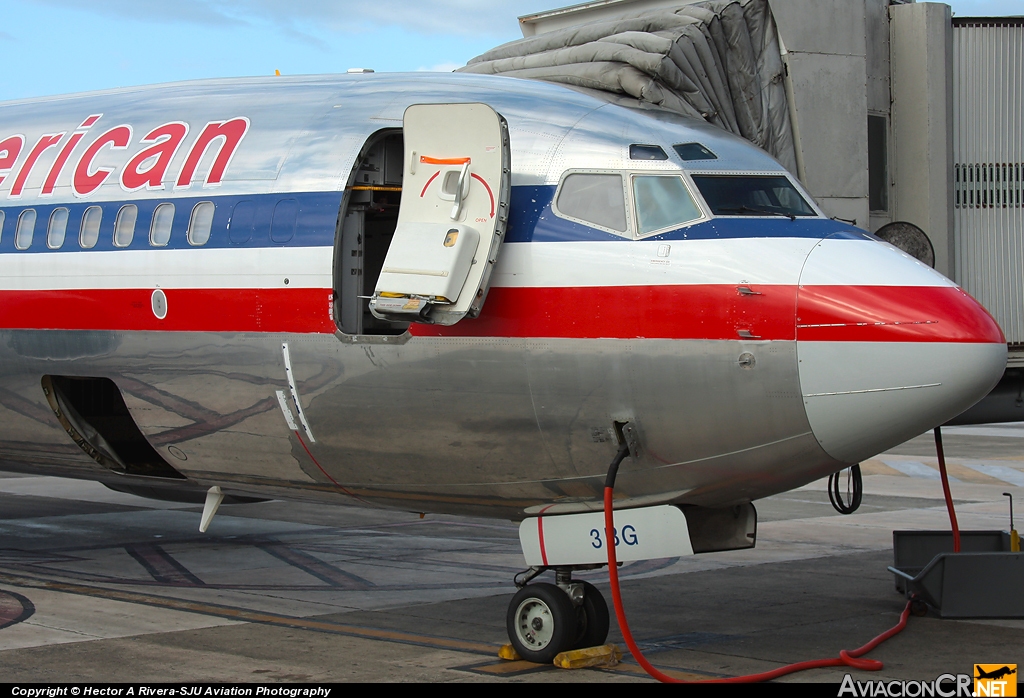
(453, 293)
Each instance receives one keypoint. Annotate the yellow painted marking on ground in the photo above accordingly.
(962, 472)
(877, 467)
(955, 469)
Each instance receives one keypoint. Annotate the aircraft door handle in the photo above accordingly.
(461, 191)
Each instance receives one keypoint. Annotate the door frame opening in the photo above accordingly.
(366, 225)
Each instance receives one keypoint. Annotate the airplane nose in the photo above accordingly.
(888, 348)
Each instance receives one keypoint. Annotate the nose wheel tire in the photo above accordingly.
(593, 620)
(541, 622)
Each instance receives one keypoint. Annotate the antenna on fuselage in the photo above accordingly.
(214, 497)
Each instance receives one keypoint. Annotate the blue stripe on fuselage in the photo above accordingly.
(531, 220)
(317, 216)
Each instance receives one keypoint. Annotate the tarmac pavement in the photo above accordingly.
(102, 586)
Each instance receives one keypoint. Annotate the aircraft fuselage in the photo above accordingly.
(751, 352)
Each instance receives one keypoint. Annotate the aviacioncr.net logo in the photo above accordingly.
(944, 686)
(995, 680)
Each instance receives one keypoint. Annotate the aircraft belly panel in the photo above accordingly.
(482, 425)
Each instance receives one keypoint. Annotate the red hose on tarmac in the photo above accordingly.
(846, 658)
(945, 489)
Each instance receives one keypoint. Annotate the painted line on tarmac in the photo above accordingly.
(496, 669)
(242, 614)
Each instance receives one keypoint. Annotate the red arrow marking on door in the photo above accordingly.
(432, 178)
(481, 180)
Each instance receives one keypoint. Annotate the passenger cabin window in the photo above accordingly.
(646, 152)
(693, 151)
(26, 226)
(124, 225)
(596, 199)
(201, 223)
(160, 228)
(90, 230)
(57, 228)
(751, 195)
(3, 217)
(662, 202)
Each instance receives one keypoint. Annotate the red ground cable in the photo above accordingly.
(945, 490)
(845, 658)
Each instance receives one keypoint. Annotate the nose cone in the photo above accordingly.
(888, 348)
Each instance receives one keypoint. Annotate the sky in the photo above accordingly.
(54, 47)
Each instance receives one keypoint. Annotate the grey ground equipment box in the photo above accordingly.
(983, 580)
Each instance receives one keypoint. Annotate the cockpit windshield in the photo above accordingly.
(752, 195)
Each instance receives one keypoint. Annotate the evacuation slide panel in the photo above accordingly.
(455, 197)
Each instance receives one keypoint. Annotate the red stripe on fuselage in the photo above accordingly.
(300, 310)
(721, 312)
(628, 312)
(710, 312)
(893, 314)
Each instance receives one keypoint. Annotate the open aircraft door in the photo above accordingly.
(455, 201)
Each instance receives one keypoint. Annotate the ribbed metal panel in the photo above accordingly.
(988, 151)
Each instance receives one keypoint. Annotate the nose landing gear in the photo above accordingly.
(541, 622)
(544, 619)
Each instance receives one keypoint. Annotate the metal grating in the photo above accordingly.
(988, 176)
(987, 185)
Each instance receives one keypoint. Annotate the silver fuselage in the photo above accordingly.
(487, 422)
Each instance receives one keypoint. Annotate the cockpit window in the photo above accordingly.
(594, 198)
(662, 202)
(693, 151)
(646, 152)
(751, 195)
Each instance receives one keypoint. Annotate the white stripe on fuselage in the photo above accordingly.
(755, 261)
(728, 261)
(264, 267)
(649, 263)
(839, 262)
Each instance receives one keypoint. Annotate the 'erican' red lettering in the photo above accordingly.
(167, 139)
(58, 164)
(86, 182)
(65, 153)
(10, 149)
(231, 132)
(44, 143)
